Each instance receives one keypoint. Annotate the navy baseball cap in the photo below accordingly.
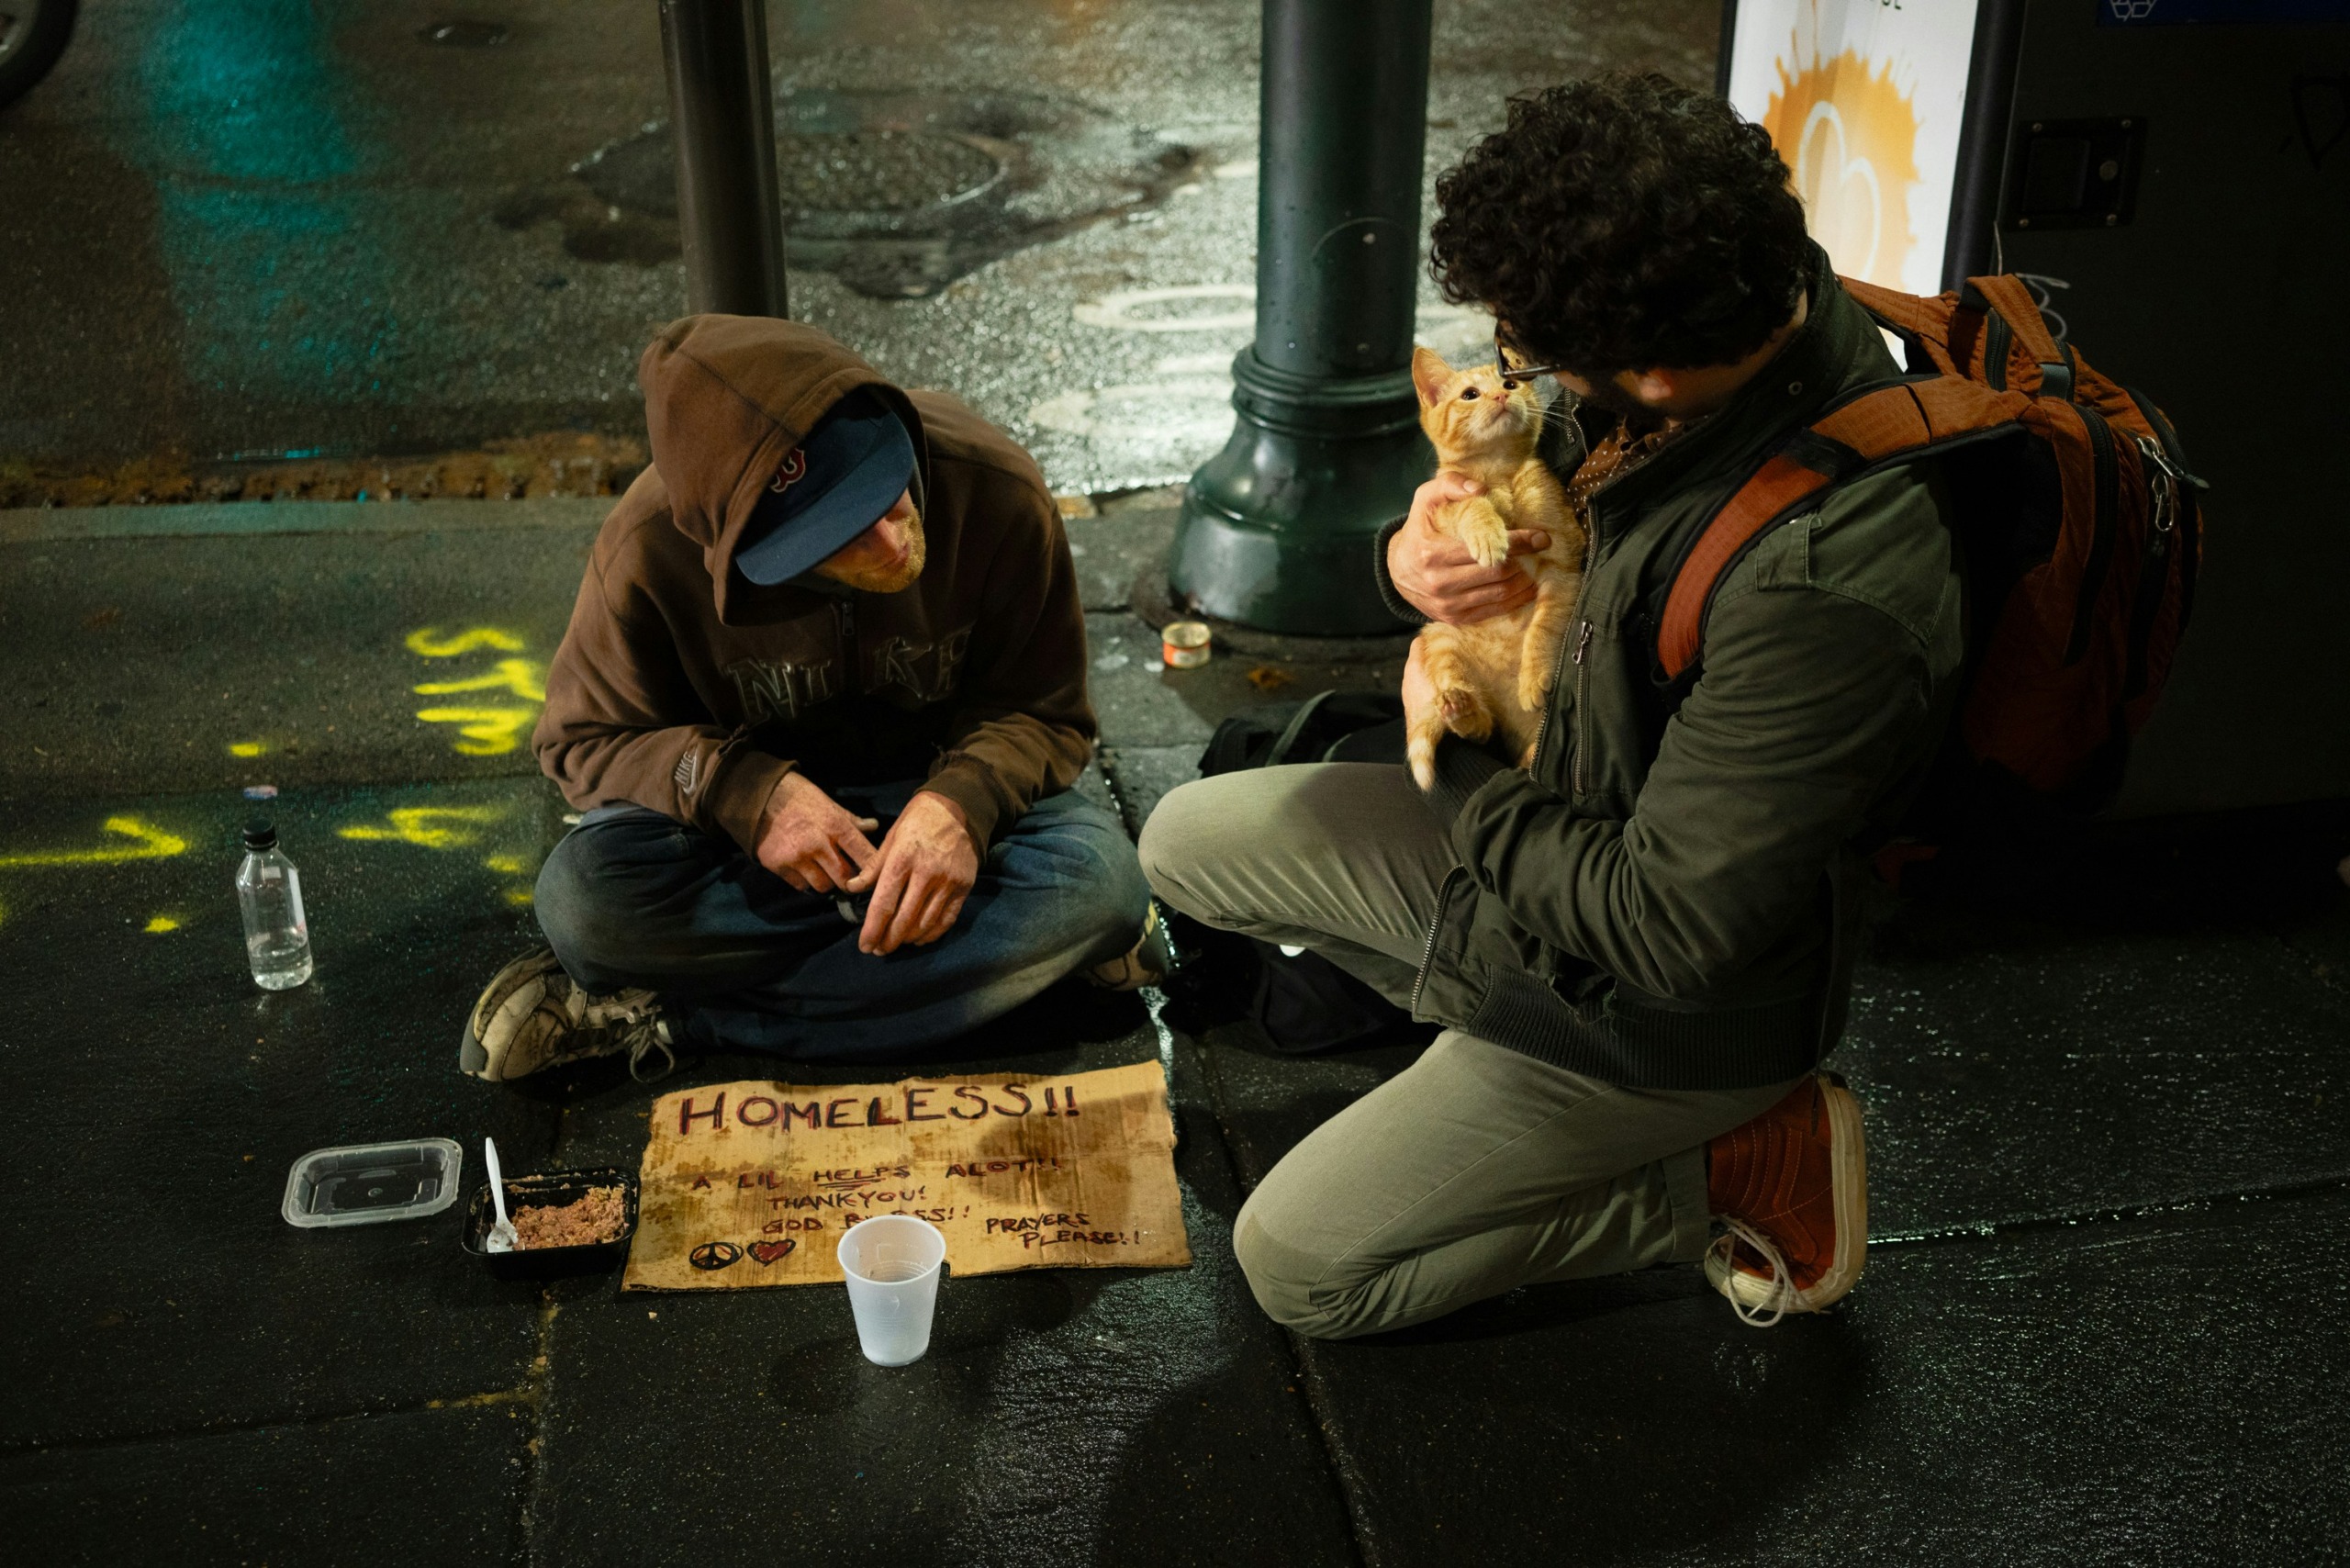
(833, 485)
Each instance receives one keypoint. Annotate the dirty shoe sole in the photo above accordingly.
(511, 996)
(1849, 1184)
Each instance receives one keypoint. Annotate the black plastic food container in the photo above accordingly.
(550, 1188)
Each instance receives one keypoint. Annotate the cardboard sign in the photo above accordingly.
(751, 1184)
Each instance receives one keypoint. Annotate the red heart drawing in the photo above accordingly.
(768, 1251)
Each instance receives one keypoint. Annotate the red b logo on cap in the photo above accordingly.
(794, 469)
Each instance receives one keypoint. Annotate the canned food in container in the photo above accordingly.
(1184, 644)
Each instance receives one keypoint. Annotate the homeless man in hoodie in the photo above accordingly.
(820, 705)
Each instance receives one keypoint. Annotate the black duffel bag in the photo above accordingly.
(1303, 1003)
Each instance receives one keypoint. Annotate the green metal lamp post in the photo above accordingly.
(730, 213)
(1276, 528)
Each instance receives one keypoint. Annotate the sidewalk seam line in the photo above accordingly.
(1310, 1382)
(2152, 1210)
(487, 1399)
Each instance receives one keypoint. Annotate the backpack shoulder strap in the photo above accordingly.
(1902, 312)
(1923, 324)
(1871, 429)
(2008, 296)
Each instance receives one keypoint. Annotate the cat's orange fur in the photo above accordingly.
(1496, 674)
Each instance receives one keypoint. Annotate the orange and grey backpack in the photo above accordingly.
(2076, 522)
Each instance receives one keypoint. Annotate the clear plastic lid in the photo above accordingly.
(371, 1184)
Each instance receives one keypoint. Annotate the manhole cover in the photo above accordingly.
(897, 194)
(879, 170)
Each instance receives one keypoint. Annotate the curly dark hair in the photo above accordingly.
(1624, 223)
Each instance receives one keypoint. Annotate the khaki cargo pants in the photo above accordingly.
(1478, 1169)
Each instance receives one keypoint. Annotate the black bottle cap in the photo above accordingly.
(261, 833)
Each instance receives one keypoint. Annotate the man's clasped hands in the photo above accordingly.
(924, 868)
(919, 875)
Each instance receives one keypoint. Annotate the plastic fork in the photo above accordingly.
(501, 1237)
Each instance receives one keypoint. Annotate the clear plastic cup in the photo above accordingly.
(891, 1262)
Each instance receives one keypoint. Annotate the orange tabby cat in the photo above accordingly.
(1494, 675)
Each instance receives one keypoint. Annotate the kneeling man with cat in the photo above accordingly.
(1627, 900)
(820, 705)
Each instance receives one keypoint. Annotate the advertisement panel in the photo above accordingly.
(1863, 99)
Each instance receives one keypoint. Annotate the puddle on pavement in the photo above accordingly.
(897, 194)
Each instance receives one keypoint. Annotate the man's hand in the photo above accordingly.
(810, 841)
(1435, 572)
(927, 865)
(1418, 694)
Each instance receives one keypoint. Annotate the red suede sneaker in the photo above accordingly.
(1791, 1188)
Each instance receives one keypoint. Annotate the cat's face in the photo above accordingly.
(1470, 411)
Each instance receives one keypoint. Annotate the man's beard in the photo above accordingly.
(885, 579)
(1613, 400)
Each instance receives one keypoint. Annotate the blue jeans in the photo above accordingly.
(633, 898)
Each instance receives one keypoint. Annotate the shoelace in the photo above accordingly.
(1782, 1288)
(640, 1031)
(655, 1038)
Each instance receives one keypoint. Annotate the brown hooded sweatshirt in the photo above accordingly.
(683, 687)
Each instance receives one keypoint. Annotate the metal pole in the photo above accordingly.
(729, 213)
(1277, 529)
(1968, 248)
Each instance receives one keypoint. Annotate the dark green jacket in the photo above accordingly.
(1659, 900)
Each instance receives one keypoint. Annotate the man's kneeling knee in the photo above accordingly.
(1285, 1282)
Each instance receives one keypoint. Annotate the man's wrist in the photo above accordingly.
(773, 805)
(1402, 609)
(954, 807)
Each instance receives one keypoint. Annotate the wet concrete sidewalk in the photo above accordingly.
(314, 250)
(2101, 1320)
(321, 247)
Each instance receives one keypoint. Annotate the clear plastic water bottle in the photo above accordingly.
(269, 891)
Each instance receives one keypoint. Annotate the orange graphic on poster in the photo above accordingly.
(1851, 135)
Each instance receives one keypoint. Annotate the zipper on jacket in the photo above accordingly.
(844, 623)
(1427, 949)
(1558, 667)
(1583, 730)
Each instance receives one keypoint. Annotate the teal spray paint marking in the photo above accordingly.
(264, 229)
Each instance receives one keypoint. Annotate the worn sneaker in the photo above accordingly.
(1791, 1190)
(532, 1015)
(1145, 963)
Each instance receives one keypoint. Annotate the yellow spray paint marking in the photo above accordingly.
(510, 864)
(147, 842)
(247, 748)
(517, 897)
(522, 677)
(418, 825)
(428, 641)
(161, 924)
(488, 732)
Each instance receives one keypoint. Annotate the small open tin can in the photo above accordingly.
(550, 1189)
(1184, 644)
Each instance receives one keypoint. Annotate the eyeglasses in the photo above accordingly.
(1511, 375)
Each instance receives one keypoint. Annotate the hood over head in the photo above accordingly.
(726, 398)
